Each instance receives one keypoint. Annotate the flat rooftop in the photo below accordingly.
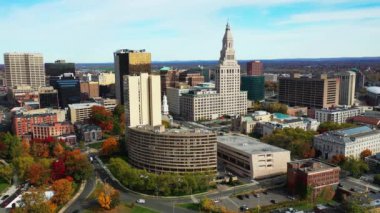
(353, 131)
(247, 144)
(312, 165)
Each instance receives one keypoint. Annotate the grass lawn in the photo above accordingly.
(191, 206)
(140, 209)
(3, 185)
(96, 145)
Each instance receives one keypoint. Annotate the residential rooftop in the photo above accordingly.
(82, 105)
(247, 144)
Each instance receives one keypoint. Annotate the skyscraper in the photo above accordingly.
(255, 87)
(347, 88)
(24, 69)
(68, 89)
(48, 97)
(129, 62)
(255, 68)
(227, 99)
(142, 95)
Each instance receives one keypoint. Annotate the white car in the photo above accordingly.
(140, 201)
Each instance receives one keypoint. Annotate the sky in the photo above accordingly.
(85, 31)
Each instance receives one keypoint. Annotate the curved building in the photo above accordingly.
(373, 96)
(174, 150)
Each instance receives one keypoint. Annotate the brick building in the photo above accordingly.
(23, 124)
(89, 90)
(168, 78)
(311, 173)
(42, 131)
(191, 78)
(255, 68)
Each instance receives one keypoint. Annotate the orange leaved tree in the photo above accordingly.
(62, 191)
(110, 146)
(365, 153)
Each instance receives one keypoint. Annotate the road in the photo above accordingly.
(160, 204)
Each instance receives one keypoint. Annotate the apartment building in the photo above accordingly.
(45, 130)
(81, 112)
(337, 115)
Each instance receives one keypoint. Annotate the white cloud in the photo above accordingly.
(343, 15)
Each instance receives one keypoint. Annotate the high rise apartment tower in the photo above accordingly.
(129, 62)
(347, 88)
(142, 95)
(24, 69)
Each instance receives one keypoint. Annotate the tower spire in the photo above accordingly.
(227, 54)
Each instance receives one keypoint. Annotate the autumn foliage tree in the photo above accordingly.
(58, 169)
(338, 159)
(77, 165)
(62, 191)
(365, 153)
(101, 117)
(110, 146)
(37, 174)
(108, 197)
(58, 150)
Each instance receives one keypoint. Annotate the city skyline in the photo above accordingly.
(90, 31)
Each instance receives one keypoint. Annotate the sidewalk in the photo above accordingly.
(10, 191)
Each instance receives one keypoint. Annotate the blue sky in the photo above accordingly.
(91, 30)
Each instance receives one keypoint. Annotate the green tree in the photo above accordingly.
(77, 165)
(354, 204)
(34, 202)
(10, 146)
(6, 173)
(118, 111)
(21, 165)
(329, 126)
(376, 179)
(355, 166)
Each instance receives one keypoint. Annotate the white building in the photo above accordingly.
(228, 99)
(108, 103)
(142, 98)
(269, 77)
(338, 115)
(347, 142)
(106, 78)
(248, 157)
(174, 95)
(81, 111)
(24, 69)
(347, 88)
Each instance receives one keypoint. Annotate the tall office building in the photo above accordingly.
(255, 68)
(142, 95)
(68, 89)
(24, 69)
(129, 62)
(347, 88)
(58, 68)
(255, 87)
(48, 97)
(227, 99)
(320, 92)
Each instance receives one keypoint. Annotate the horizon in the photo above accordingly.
(91, 30)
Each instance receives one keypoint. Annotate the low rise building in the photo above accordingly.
(246, 124)
(108, 103)
(46, 130)
(297, 111)
(23, 124)
(337, 115)
(347, 142)
(81, 112)
(174, 95)
(373, 96)
(248, 157)
(305, 173)
(161, 150)
(89, 133)
(17, 95)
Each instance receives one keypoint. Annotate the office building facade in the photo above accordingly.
(68, 88)
(320, 92)
(338, 115)
(42, 131)
(81, 112)
(106, 78)
(227, 99)
(129, 62)
(24, 69)
(59, 67)
(255, 68)
(174, 151)
(89, 89)
(347, 88)
(48, 97)
(254, 85)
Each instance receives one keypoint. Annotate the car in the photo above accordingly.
(257, 195)
(140, 201)
(240, 197)
(246, 195)
(273, 201)
(216, 201)
(244, 208)
(4, 197)
(291, 198)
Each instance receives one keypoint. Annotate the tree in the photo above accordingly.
(338, 159)
(101, 117)
(207, 205)
(21, 165)
(77, 165)
(10, 146)
(354, 204)
(108, 197)
(118, 111)
(58, 169)
(58, 150)
(110, 146)
(40, 149)
(330, 126)
(365, 153)
(6, 173)
(37, 174)
(34, 202)
(355, 166)
(62, 191)
(376, 179)
(25, 147)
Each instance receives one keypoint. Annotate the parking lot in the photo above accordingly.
(252, 200)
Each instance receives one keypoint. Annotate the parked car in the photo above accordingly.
(244, 208)
(273, 201)
(140, 201)
(4, 197)
(216, 201)
(291, 198)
